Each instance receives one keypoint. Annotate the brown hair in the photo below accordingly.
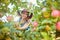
(29, 15)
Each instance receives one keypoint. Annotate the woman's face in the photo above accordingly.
(24, 15)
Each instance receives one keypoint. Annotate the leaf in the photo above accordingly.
(1, 24)
(45, 35)
(46, 21)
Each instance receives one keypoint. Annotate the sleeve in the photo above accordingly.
(16, 19)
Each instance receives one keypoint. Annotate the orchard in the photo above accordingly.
(45, 23)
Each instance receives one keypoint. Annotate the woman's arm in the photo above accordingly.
(24, 27)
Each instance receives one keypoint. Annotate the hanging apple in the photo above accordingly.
(58, 26)
(55, 13)
(9, 18)
(46, 14)
(35, 23)
(59, 11)
(5, 30)
(47, 28)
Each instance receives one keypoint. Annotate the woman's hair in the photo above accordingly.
(29, 15)
(18, 12)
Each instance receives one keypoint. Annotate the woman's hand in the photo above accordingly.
(22, 28)
(19, 28)
(16, 24)
(26, 25)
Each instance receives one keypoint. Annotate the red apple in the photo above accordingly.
(47, 28)
(55, 13)
(58, 26)
(35, 23)
(9, 18)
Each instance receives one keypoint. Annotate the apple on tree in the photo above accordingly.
(35, 24)
(58, 26)
(47, 28)
(55, 13)
(9, 18)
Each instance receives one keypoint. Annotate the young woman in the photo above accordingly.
(24, 20)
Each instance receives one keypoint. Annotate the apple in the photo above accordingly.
(35, 23)
(46, 14)
(58, 26)
(47, 28)
(9, 18)
(55, 13)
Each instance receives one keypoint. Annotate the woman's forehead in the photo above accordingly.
(24, 12)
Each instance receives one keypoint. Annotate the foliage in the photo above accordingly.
(42, 14)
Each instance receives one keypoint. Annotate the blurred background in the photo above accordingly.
(46, 14)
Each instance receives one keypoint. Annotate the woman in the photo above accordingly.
(24, 20)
